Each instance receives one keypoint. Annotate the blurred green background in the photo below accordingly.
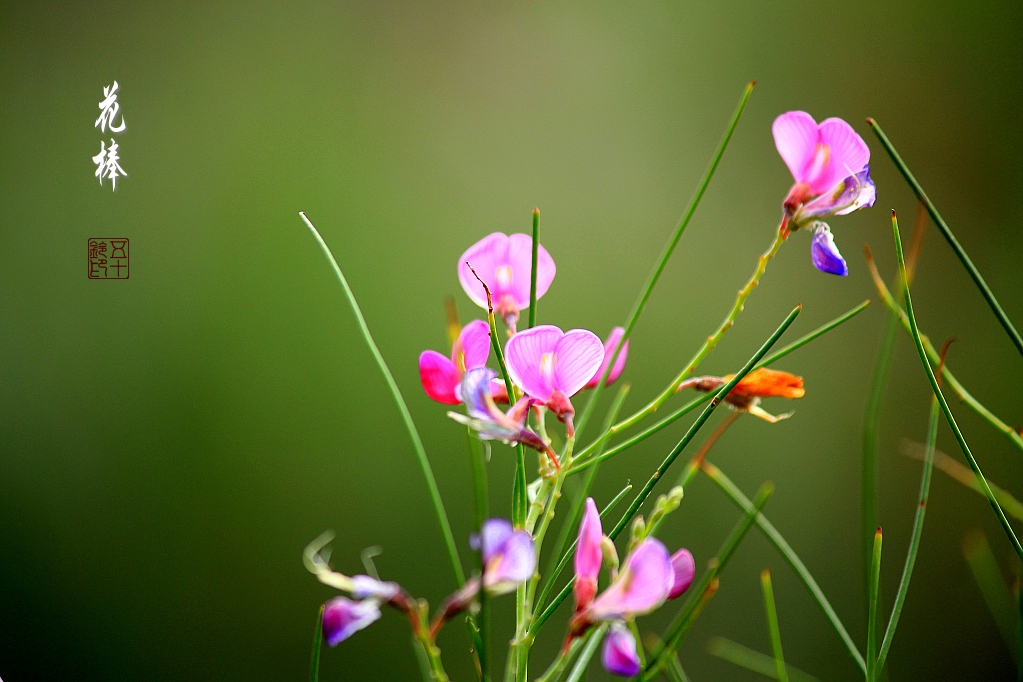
(169, 444)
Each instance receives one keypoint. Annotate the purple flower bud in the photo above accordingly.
(363, 586)
(508, 556)
(620, 656)
(343, 617)
(824, 253)
(685, 570)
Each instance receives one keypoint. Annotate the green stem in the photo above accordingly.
(679, 627)
(406, 416)
(532, 271)
(772, 626)
(914, 539)
(944, 404)
(589, 649)
(581, 459)
(747, 658)
(875, 579)
(743, 502)
(957, 388)
(669, 248)
(481, 510)
(946, 231)
(558, 665)
(676, 451)
(314, 658)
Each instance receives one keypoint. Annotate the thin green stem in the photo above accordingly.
(406, 416)
(558, 665)
(772, 626)
(532, 270)
(962, 474)
(914, 539)
(944, 404)
(679, 627)
(481, 510)
(675, 452)
(575, 513)
(957, 388)
(875, 580)
(581, 459)
(747, 658)
(314, 658)
(669, 248)
(589, 649)
(946, 231)
(743, 502)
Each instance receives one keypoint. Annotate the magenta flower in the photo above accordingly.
(818, 156)
(642, 585)
(829, 164)
(343, 617)
(551, 365)
(505, 264)
(508, 555)
(610, 346)
(441, 376)
(588, 557)
(685, 570)
(620, 656)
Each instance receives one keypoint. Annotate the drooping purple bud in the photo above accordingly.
(685, 570)
(588, 556)
(824, 253)
(620, 656)
(509, 557)
(343, 617)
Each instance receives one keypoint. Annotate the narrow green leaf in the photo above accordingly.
(772, 626)
(406, 416)
(941, 398)
(946, 231)
(314, 657)
(875, 582)
(532, 269)
(989, 578)
(754, 661)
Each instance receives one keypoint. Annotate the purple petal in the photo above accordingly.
(620, 656)
(641, 586)
(609, 350)
(513, 564)
(588, 556)
(343, 617)
(486, 256)
(474, 344)
(474, 391)
(527, 366)
(520, 260)
(440, 377)
(824, 253)
(493, 536)
(847, 154)
(685, 570)
(796, 137)
(364, 586)
(863, 190)
(577, 356)
(853, 193)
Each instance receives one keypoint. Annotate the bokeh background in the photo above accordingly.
(169, 444)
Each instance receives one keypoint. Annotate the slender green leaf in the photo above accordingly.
(314, 657)
(754, 661)
(532, 269)
(772, 626)
(875, 582)
(994, 589)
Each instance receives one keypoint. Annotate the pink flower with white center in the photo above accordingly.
(505, 264)
(610, 346)
(551, 365)
(588, 557)
(441, 376)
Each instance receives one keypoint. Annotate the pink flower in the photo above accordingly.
(551, 365)
(508, 556)
(819, 156)
(588, 556)
(642, 585)
(685, 570)
(610, 346)
(441, 376)
(343, 617)
(620, 656)
(505, 264)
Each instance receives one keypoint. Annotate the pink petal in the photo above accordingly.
(609, 350)
(848, 154)
(522, 355)
(796, 137)
(520, 259)
(440, 377)
(474, 342)
(486, 256)
(579, 354)
(642, 585)
(685, 570)
(588, 556)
